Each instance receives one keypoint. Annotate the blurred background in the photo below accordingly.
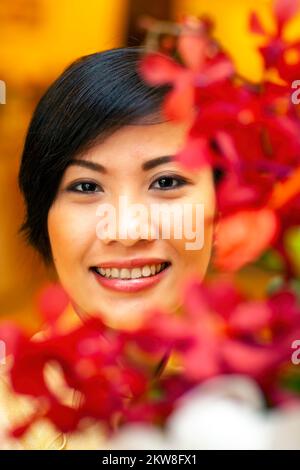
(38, 39)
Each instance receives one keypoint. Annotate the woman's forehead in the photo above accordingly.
(138, 143)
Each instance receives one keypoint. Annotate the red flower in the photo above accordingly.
(243, 236)
(52, 301)
(277, 52)
(203, 66)
(234, 335)
(89, 360)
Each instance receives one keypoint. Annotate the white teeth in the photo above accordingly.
(125, 273)
(114, 272)
(146, 271)
(134, 273)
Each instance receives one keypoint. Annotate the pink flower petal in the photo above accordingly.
(179, 104)
(250, 317)
(192, 48)
(158, 69)
(248, 359)
(195, 155)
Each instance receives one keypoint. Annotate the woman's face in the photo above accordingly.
(122, 265)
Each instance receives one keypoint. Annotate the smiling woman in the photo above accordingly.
(97, 136)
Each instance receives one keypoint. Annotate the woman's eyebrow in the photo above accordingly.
(100, 168)
(155, 162)
(88, 164)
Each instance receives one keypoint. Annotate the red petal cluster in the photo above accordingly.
(249, 131)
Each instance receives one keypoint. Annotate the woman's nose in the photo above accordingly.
(130, 224)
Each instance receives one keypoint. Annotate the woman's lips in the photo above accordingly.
(131, 285)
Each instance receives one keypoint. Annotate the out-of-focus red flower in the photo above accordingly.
(243, 236)
(89, 360)
(157, 405)
(220, 332)
(235, 335)
(223, 332)
(203, 66)
(104, 366)
(277, 52)
(52, 302)
(249, 131)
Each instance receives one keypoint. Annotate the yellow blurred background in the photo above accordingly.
(38, 39)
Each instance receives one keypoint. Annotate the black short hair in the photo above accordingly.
(95, 96)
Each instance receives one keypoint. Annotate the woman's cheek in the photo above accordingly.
(193, 261)
(72, 231)
(195, 246)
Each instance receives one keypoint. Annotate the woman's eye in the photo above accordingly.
(168, 182)
(85, 187)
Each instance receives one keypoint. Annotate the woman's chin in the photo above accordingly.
(128, 314)
(123, 319)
